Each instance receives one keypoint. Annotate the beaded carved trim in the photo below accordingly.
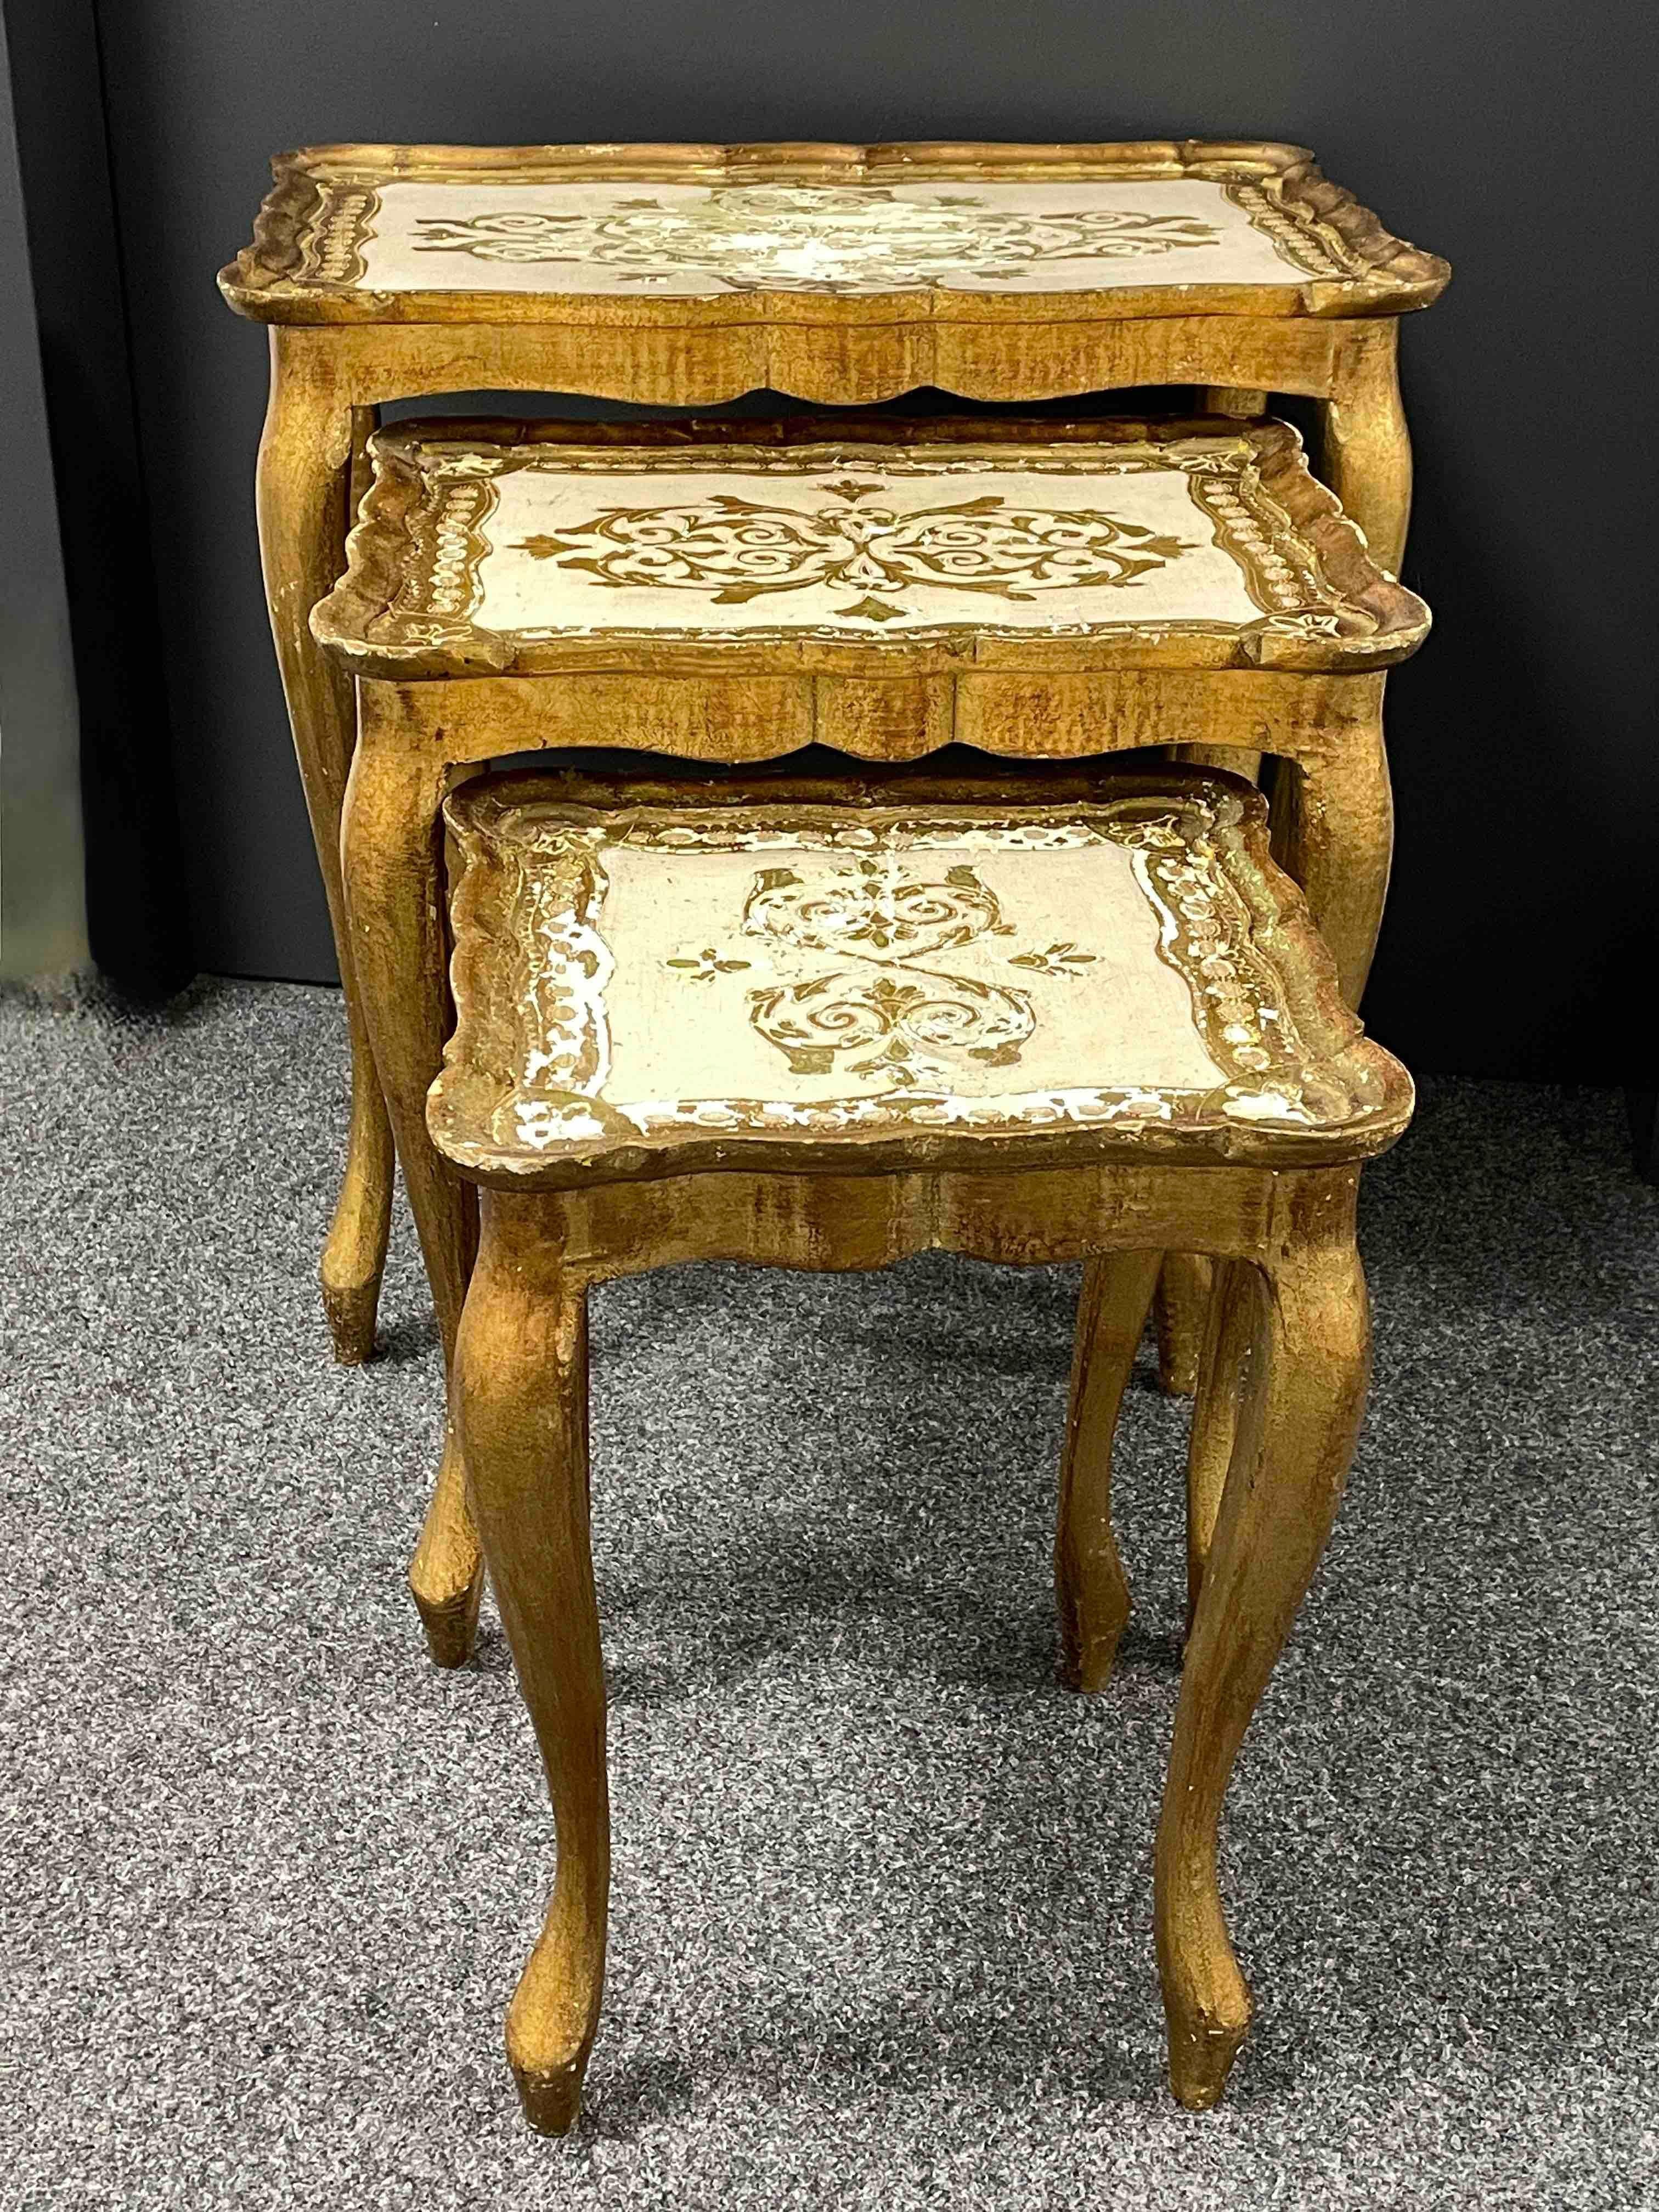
(449, 544)
(332, 242)
(1281, 571)
(1303, 242)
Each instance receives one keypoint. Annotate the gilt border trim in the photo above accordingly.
(304, 264)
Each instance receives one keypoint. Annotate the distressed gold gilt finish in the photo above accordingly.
(1112, 586)
(1002, 272)
(1182, 1074)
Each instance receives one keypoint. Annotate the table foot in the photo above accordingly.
(446, 1575)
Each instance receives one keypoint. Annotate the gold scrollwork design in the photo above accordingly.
(910, 1019)
(739, 550)
(812, 237)
(914, 1026)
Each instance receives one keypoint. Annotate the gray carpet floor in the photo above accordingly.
(882, 1927)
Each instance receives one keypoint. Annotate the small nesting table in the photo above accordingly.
(734, 592)
(686, 274)
(826, 1026)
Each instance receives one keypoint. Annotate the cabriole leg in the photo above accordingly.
(1335, 818)
(1224, 1379)
(305, 459)
(1184, 1291)
(521, 1402)
(395, 901)
(1295, 1440)
(1181, 1311)
(1090, 1586)
(1367, 459)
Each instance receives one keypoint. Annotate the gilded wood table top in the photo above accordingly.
(651, 980)
(640, 234)
(526, 549)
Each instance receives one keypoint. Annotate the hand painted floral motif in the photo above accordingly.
(907, 1018)
(819, 237)
(703, 966)
(913, 1027)
(1062, 960)
(740, 549)
(867, 907)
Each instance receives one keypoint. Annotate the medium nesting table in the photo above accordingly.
(686, 274)
(735, 593)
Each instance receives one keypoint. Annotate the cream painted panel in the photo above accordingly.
(686, 1000)
(646, 240)
(1144, 550)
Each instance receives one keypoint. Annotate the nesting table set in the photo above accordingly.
(957, 980)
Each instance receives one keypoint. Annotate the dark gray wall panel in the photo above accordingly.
(1508, 140)
(72, 310)
(43, 923)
